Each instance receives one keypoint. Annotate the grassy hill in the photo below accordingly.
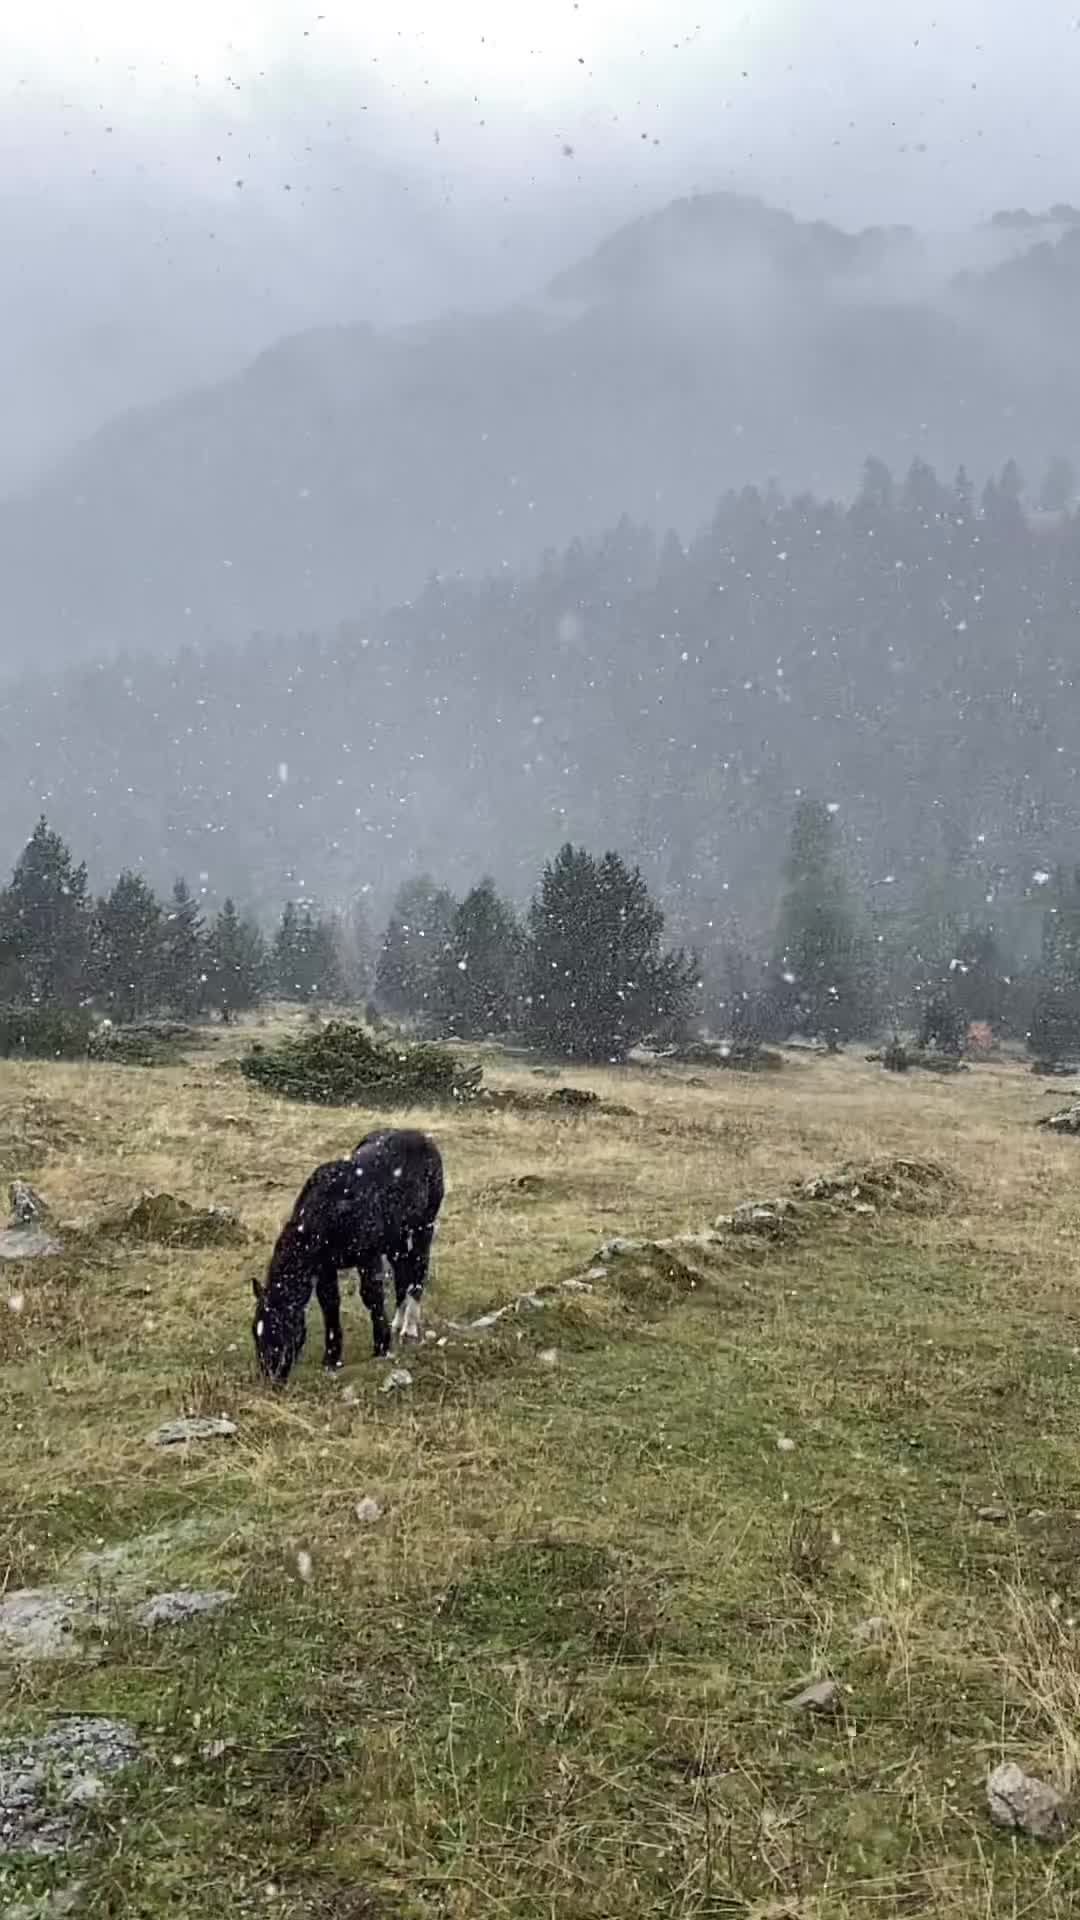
(616, 1535)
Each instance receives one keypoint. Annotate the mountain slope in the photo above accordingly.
(716, 342)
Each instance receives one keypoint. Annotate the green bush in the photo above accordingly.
(44, 1033)
(148, 1043)
(342, 1065)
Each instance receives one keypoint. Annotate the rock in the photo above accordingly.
(548, 1357)
(28, 1209)
(192, 1426)
(350, 1397)
(997, 1516)
(785, 1444)
(162, 1220)
(871, 1631)
(822, 1696)
(1027, 1805)
(44, 1782)
(611, 1249)
(397, 1381)
(769, 1218)
(368, 1510)
(186, 1603)
(37, 1623)
(1066, 1120)
(26, 1236)
(487, 1320)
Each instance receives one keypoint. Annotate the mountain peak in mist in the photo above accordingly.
(716, 341)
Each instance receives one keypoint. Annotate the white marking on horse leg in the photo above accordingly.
(412, 1327)
(398, 1320)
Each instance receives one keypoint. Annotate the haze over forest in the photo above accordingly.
(584, 544)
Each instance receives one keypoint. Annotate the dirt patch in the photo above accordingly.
(160, 1219)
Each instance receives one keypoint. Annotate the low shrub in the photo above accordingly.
(44, 1033)
(341, 1064)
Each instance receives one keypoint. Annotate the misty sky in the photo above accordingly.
(182, 185)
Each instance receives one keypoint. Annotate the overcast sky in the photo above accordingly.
(182, 184)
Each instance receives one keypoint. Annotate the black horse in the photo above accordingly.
(381, 1203)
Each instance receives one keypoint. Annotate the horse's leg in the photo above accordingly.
(328, 1295)
(410, 1264)
(371, 1293)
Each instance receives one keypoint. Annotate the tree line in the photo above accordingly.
(131, 955)
(908, 655)
(584, 973)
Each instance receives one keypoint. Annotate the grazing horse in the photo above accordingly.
(381, 1203)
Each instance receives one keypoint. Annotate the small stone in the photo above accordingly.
(350, 1397)
(785, 1444)
(36, 1624)
(44, 1781)
(186, 1603)
(397, 1380)
(1027, 1805)
(996, 1516)
(200, 1426)
(28, 1208)
(871, 1631)
(822, 1696)
(368, 1510)
(548, 1357)
(84, 1790)
(768, 1218)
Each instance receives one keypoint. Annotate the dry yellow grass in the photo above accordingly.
(551, 1679)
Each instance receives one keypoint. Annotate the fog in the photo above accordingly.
(391, 171)
(381, 398)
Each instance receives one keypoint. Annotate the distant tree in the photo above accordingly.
(878, 489)
(1055, 1020)
(1059, 485)
(237, 963)
(597, 979)
(963, 495)
(1011, 482)
(45, 924)
(943, 1025)
(355, 950)
(822, 955)
(305, 963)
(407, 975)
(480, 975)
(183, 959)
(125, 950)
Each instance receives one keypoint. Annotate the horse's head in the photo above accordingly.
(278, 1331)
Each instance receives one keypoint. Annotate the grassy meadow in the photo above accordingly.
(553, 1678)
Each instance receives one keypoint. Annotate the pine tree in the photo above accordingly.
(45, 924)
(1055, 1020)
(236, 962)
(597, 979)
(822, 956)
(1059, 485)
(304, 963)
(125, 950)
(480, 973)
(183, 954)
(407, 975)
